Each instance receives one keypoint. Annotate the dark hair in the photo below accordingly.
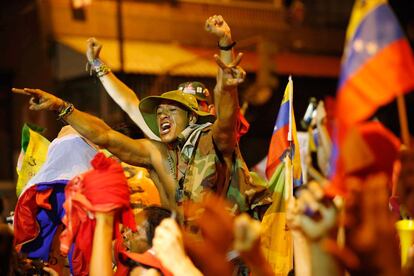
(154, 215)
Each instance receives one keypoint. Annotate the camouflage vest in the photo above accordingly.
(202, 168)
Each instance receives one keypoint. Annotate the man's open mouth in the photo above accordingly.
(165, 127)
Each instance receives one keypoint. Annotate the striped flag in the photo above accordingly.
(277, 243)
(377, 64)
(284, 138)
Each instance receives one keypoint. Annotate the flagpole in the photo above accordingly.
(290, 108)
(288, 159)
(402, 114)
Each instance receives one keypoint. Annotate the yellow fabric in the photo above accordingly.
(31, 160)
(143, 190)
(277, 244)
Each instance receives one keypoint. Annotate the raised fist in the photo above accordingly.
(216, 25)
(93, 49)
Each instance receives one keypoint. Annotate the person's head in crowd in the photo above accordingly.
(172, 112)
(147, 220)
(201, 93)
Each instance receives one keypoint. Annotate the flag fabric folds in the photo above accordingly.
(276, 237)
(377, 64)
(32, 155)
(279, 144)
(39, 209)
(277, 243)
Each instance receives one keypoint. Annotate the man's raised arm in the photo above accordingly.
(224, 129)
(119, 92)
(216, 25)
(136, 152)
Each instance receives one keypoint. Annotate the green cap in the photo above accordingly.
(196, 89)
(148, 107)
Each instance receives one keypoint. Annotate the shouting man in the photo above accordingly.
(197, 152)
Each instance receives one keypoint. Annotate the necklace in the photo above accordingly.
(172, 166)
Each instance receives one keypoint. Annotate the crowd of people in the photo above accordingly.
(182, 201)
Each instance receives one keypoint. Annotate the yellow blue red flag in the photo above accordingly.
(377, 64)
(281, 144)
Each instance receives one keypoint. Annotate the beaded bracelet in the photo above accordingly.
(226, 48)
(102, 70)
(65, 111)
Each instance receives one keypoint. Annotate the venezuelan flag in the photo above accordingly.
(280, 144)
(377, 64)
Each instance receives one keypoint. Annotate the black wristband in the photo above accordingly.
(226, 48)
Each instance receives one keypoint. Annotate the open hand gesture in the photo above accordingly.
(246, 233)
(233, 74)
(168, 243)
(41, 100)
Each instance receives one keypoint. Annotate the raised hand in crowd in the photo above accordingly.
(247, 243)
(233, 74)
(93, 49)
(169, 248)
(315, 216)
(101, 257)
(216, 25)
(224, 237)
(312, 213)
(41, 100)
(124, 96)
